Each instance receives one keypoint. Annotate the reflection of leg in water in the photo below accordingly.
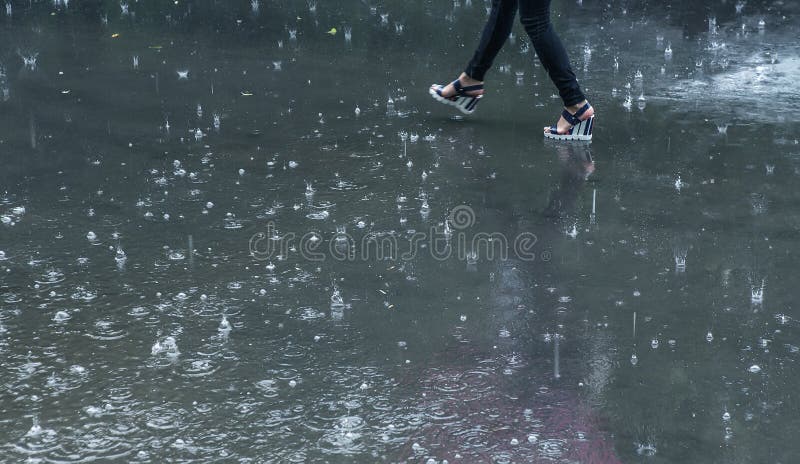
(577, 165)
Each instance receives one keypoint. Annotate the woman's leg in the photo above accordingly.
(494, 36)
(535, 17)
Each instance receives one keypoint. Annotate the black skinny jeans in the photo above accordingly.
(535, 17)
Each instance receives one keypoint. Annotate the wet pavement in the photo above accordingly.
(243, 231)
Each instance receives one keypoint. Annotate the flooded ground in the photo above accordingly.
(242, 231)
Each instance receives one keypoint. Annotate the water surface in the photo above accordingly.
(153, 154)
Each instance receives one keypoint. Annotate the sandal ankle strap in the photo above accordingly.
(575, 119)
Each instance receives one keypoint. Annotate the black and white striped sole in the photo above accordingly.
(464, 104)
(583, 131)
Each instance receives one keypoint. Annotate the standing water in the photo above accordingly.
(300, 284)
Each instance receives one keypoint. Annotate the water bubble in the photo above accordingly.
(337, 302)
(167, 347)
(654, 343)
(680, 259)
(29, 61)
(628, 102)
(35, 429)
(224, 325)
(755, 369)
(634, 359)
(390, 111)
(120, 256)
(425, 208)
(91, 236)
(61, 316)
(645, 449)
(709, 337)
(757, 292)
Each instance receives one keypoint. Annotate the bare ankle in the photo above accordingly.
(577, 106)
(465, 79)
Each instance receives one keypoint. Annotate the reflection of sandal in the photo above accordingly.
(579, 129)
(465, 103)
